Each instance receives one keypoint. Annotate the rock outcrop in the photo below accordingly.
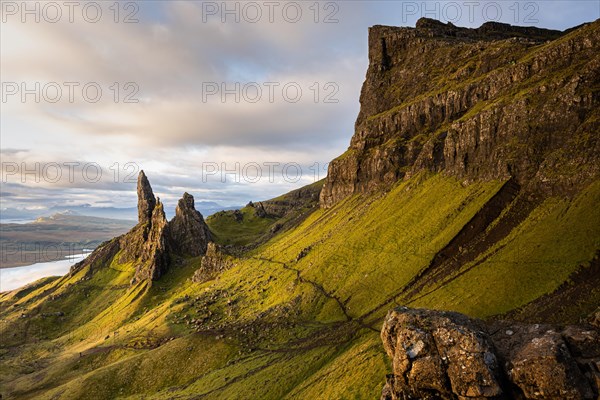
(446, 355)
(154, 244)
(146, 200)
(185, 235)
(305, 197)
(189, 232)
(156, 252)
(489, 103)
(214, 262)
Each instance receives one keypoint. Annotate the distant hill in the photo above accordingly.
(9, 215)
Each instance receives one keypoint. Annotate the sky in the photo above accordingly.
(229, 101)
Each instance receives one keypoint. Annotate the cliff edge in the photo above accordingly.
(497, 102)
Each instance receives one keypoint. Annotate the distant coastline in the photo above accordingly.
(16, 277)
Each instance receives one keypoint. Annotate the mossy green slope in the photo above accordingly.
(297, 317)
(239, 229)
(255, 224)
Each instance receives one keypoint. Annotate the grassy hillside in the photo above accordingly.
(298, 316)
(239, 228)
(257, 223)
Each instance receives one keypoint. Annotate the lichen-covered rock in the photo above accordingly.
(447, 355)
(490, 104)
(439, 354)
(543, 368)
(544, 362)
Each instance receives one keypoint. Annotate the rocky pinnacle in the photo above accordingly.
(189, 232)
(146, 200)
(156, 244)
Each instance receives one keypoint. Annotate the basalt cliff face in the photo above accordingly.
(154, 244)
(496, 102)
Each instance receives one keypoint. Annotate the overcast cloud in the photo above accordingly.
(173, 62)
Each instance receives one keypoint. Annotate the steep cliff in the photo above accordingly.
(496, 102)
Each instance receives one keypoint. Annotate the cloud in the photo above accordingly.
(172, 56)
(11, 152)
(172, 64)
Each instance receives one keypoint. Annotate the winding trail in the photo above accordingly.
(321, 290)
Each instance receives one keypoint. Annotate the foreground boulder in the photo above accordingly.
(447, 355)
(436, 354)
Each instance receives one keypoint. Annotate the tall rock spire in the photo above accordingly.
(155, 245)
(189, 232)
(156, 252)
(146, 200)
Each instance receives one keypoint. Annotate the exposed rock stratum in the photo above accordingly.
(497, 102)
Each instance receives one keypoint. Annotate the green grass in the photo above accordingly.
(227, 230)
(386, 241)
(264, 333)
(298, 315)
(244, 228)
(538, 256)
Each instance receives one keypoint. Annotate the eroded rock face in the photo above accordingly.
(447, 355)
(189, 232)
(147, 245)
(213, 263)
(146, 200)
(478, 104)
(185, 235)
(154, 243)
(156, 253)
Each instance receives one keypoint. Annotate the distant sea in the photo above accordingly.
(16, 221)
(13, 278)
